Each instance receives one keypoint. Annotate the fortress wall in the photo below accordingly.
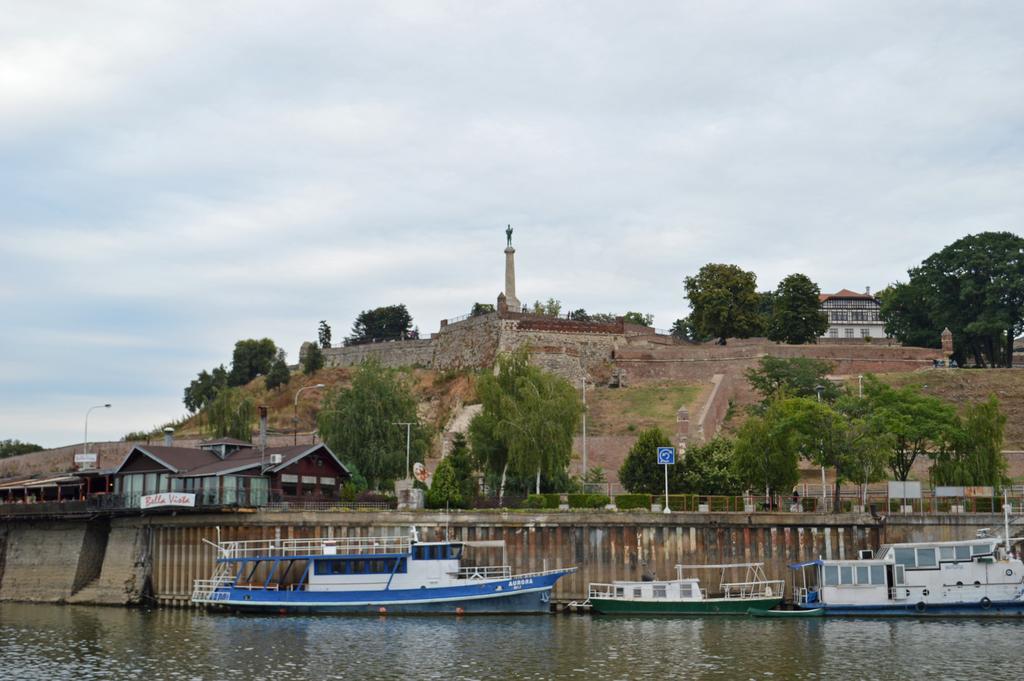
(390, 354)
(470, 343)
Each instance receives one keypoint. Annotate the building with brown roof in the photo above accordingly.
(852, 315)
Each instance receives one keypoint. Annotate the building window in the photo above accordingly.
(864, 333)
(833, 333)
(849, 333)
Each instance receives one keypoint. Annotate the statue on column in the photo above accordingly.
(508, 236)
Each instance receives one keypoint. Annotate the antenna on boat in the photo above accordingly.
(446, 519)
(1006, 522)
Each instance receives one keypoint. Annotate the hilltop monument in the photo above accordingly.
(510, 274)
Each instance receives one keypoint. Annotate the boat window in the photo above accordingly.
(963, 552)
(906, 557)
(686, 590)
(456, 551)
(845, 574)
(377, 566)
(359, 567)
(831, 575)
(619, 591)
(946, 553)
(897, 575)
(863, 574)
(980, 549)
(926, 558)
(878, 574)
(637, 592)
(402, 567)
(659, 591)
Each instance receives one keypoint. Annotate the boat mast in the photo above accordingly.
(1006, 523)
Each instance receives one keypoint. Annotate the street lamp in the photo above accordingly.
(295, 411)
(85, 445)
(584, 434)
(408, 437)
(824, 500)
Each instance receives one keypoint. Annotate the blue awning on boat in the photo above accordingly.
(797, 566)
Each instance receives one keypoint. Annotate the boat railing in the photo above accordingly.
(208, 590)
(598, 590)
(486, 572)
(755, 589)
(341, 546)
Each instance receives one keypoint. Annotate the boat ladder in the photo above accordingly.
(205, 590)
(579, 606)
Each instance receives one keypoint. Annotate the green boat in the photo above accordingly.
(684, 595)
(784, 614)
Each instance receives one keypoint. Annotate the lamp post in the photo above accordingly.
(584, 476)
(408, 439)
(85, 445)
(295, 411)
(824, 500)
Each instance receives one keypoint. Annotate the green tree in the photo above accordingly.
(639, 318)
(906, 316)
(528, 420)
(792, 377)
(976, 456)
(360, 423)
(796, 315)
(975, 287)
(279, 374)
(10, 447)
(724, 301)
(706, 469)
(640, 471)
(579, 315)
(444, 488)
(392, 322)
(918, 424)
(204, 388)
(462, 463)
(250, 359)
(684, 329)
(481, 309)
(313, 360)
(232, 414)
(324, 334)
(765, 453)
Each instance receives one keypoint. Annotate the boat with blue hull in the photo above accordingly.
(369, 575)
(976, 577)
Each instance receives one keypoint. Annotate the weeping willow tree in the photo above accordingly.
(232, 414)
(975, 456)
(527, 423)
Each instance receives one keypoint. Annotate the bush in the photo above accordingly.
(367, 497)
(626, 502)
(548, 501)
(588, 500)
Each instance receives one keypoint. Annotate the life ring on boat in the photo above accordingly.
(1009, 572)
(986, 603)
(920, 607)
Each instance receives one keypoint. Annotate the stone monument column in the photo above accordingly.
(510, 275)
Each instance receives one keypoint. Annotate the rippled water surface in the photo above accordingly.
(77, 642)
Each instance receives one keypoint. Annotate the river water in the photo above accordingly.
(49, 642)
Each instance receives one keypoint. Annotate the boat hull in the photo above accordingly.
(993, 609)
(711, 606)
(508, 596)
(786, 614)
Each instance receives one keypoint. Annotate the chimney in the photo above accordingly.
(263, 430)
(867, 291)
(168, 437)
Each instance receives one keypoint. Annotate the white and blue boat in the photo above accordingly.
(375, 575)
(976, 577)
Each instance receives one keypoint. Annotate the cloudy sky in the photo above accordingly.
(176, 176)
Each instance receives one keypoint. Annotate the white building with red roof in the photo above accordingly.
(852, 315)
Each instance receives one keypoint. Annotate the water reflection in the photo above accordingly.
(52, 642)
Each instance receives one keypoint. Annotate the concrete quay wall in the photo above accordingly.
(125, 561)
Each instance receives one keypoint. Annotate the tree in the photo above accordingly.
(232, 414)
(796, 315)
(918, 425)
(205, 388)
(765, 454)
(313, 360)
(481, 309)
(792, 377)
(11, 447)
(462, 463)
(552, 308)
(906, 316)
(639, 318)
(579, 315)
(706, 469)
(444, 488)
(640, 471)
(684, 329)
(324, 334)
(392, 322)
(976, 457)
(360, 423)
(527, 422)
(279, 374)
(724, 301)
(250, 359)
(975, 287)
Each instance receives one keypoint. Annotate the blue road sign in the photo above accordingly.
(666, 455)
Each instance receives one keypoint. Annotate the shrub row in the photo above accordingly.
(626, 502)
(588, 500)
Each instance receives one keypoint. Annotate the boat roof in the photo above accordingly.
(926, 544)
(809, 563)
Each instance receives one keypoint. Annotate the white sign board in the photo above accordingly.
(949, 491)
(168, 499)
(85, 458)
(911, 489)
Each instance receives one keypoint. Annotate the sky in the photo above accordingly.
(177, 176)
